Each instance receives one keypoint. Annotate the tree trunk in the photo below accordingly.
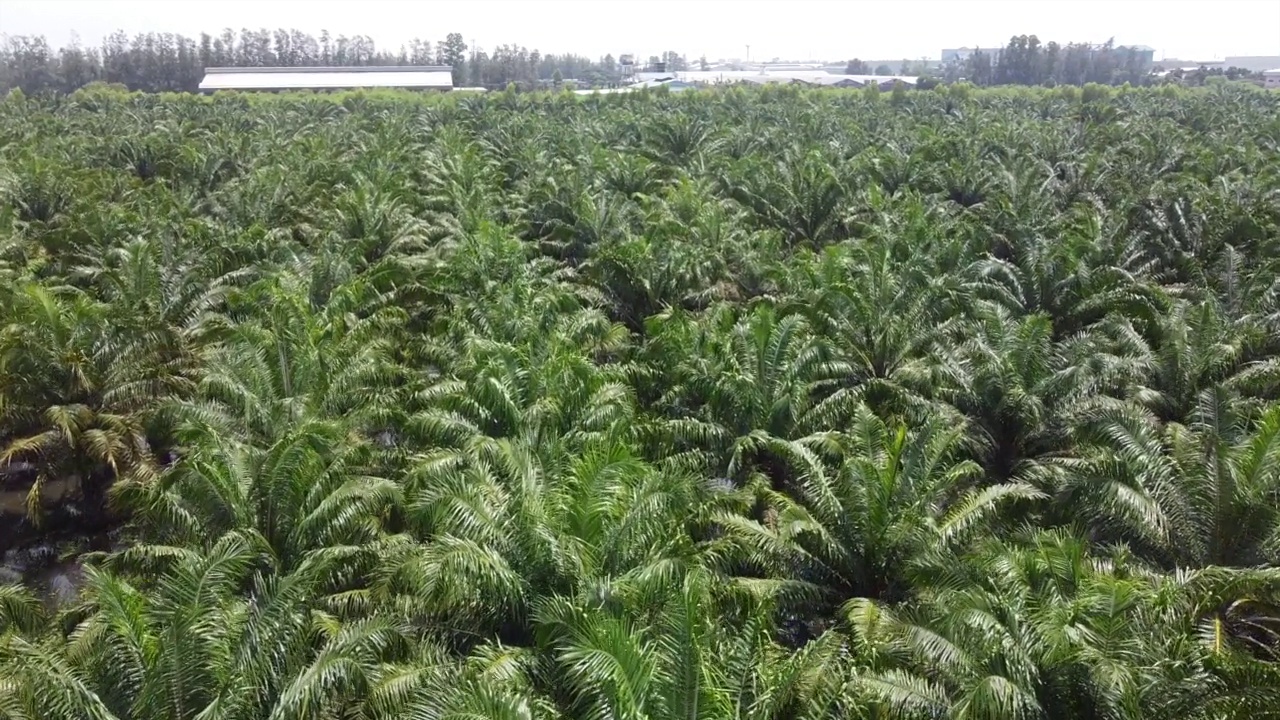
(95, 516)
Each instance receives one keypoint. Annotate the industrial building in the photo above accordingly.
(1252, 63)
(682, 80)
(1144, 53)
(952, 56)
(670, 84)
(408, 77)
(771, 76)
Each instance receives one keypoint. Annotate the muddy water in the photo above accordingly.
(47, 566)
(13, 500)
(46, 569)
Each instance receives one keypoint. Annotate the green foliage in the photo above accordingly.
(1094, 93)
(960, 91)
(899, 95)
(759, 403)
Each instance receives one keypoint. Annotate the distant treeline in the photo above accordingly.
(155, 62)
(1025, 61)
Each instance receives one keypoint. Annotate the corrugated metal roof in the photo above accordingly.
(327, 78)
(672, 85)
(838, 80)
(883, 80)
(770, 79)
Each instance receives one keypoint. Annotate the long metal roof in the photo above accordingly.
(433, 77)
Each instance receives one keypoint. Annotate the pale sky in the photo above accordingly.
(789, 29)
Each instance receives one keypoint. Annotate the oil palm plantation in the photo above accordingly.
(744, 403)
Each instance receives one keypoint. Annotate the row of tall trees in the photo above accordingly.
(1026, 61)
(154, 62)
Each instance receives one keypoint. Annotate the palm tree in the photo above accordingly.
(307, 492)
(1038, 628)
(1012, 389)
(693, 241)
(544, 386)
(688, 663)
(1197, 349)
(1197, 495)
(188, 645)
(509, 526)
(741, 381)
(848, 291)
(78, 398)
(800, 196)
(286, 363)
(862, 528)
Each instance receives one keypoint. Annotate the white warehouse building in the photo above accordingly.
(408, 77)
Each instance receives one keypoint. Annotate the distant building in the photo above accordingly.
(819, 78)
(671, 85)
(1144, 54)
(951, 56)
(898, 66)
(409, 77)
(790, 66)
(1190, 65)
(1184, 70)
(1271, 78)
(1253, 63)
(757, 77)
(884, 82)
(839, 81)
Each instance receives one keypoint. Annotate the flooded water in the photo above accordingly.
(42, 568)
(46, 558)
(13, 500)
(61, 583)
(48, 567)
